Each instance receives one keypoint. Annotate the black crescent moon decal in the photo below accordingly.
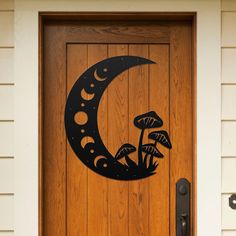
(94, 154)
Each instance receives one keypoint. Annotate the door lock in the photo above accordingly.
(183, 208)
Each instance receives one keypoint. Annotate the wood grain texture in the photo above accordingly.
(97, 185)
(77, 173)
(113, 32)
(159, 102)
(138, 104)
(118, 114)
(181, 120)
(54, 141)
(77, 201)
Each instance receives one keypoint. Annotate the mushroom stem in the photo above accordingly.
(151, 158)
(140, 156)
(145, 159)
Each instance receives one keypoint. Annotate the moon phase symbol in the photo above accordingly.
(98, 77)
(86, 96)
(85, 140)
(92, 152)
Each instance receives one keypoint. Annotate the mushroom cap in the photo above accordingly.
(162, 137)
(148, 120)
(151, 149)
(124, 150)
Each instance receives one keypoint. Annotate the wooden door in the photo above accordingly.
(79, 200)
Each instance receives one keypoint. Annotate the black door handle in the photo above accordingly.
(183, 208)
(183, 224)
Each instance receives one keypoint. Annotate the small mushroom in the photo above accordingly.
(146, 121)
(124, 150)
(150, 149)
(162, 137)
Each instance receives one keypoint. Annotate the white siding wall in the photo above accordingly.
(228, 80)
(6, 118)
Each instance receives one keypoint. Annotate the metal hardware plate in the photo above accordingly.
(183, 208)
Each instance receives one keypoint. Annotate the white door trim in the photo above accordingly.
(208, 102)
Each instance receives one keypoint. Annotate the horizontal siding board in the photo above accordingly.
(6, 5)
(6, 212)
(228, 102)
(228, 5)
(6, 233)
(228, 214)
(7, 139)
(228, 138)
(6, 175)
(228, 65)
(6, 65)
(228, 175)
(228, 29)
(226, 233)
(6, 29)
(6, 102)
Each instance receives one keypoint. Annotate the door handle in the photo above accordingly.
(183, 224)
(183, 208)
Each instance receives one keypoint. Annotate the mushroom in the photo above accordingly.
(162, 137)
(146, 121)
(124, 151)
(150, 149)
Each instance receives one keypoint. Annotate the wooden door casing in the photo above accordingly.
(143, 207)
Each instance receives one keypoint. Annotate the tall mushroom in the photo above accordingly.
(146, 121)
(150, 149)
(124, 151)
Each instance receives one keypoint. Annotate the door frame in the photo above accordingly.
(207, 150)
(58, 17)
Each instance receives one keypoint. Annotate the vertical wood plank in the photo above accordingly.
(77, 205)
(97, 185)
(159, 102)
(181, 126)
(138, 104)
(54, 137)
(118, 134)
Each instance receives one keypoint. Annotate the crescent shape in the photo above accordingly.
(111, 67)
(86, 96)
(97, 77)
(85, 140)
(96, 159)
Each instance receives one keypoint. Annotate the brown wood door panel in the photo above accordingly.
(78, 201)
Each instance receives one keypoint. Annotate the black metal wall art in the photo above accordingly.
(83, 101)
